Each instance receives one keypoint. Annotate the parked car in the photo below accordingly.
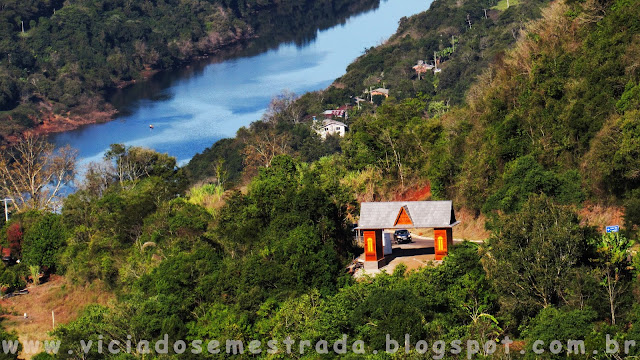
(402, 236)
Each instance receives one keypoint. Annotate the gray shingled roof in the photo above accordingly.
(333, 122)
(423, 214)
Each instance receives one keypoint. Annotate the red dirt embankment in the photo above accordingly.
(92, 112)
(52, 123)
(415, 193)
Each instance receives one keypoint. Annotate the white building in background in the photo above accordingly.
(331, 127)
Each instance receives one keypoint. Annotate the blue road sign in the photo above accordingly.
(612, 229)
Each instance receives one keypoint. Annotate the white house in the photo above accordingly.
(331, 127)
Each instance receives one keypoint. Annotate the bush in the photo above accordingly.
(43, 356)
(14, 238)
(43, 241)
(563, 325)
(525, 176)
(12, 278)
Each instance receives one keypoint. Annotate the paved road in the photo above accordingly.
(416, 254)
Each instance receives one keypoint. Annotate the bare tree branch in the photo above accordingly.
(32, 173)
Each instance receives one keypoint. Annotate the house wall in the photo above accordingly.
(387, 241)
(332, 129)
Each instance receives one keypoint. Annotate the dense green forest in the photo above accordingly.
(63, 57)
(535, 121)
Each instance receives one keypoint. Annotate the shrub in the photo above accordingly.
(556, 324)
(14, 237)
(43, 241)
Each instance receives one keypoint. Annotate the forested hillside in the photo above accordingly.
(465, 37)
(539, 118)
(463, 52)
(61, 58)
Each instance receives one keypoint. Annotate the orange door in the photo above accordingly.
(440, 243)
(370, 246)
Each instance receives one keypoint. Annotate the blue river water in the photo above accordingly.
(192, 108)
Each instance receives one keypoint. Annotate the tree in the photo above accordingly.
(98, 177)
(14, 237)
(284, 108)
(531, 252)
(614, 267)
(131, 163)
(9, 94)
(553, 324)
(262, 147)
(43, 240)
(33, 173)
(220, 171)
(632, 212)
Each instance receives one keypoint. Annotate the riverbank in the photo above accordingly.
(97, 109)
(49, 122)
(96, 65)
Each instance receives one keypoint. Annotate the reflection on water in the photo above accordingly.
(192, 107)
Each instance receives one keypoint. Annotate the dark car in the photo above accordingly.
(402, 236)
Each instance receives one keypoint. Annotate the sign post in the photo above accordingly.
(613, 229)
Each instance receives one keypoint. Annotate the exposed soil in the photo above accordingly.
(49, 122)
(57, 295)
(416, 193)
(601, 216)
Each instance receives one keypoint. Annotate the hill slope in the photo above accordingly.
(62, 57)
(390, 65)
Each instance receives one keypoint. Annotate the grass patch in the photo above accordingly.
(209, 196)
(502, 4)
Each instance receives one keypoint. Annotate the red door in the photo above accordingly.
(440, 243)
(370, 246)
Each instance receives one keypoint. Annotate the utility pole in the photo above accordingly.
(6, 210)
(22, 23)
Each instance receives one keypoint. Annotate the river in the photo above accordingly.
(193, 107)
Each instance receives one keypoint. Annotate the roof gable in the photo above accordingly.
(403, 217)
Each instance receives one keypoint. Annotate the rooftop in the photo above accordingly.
(422, 214)
(333, 122)
(381, 90)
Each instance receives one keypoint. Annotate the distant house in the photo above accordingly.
(328, 114)
(380, 91)
(331, 127)
(422, 67)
